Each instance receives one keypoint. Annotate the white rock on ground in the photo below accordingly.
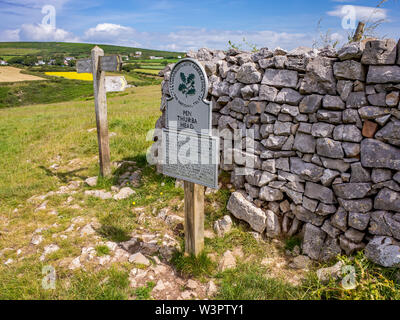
(92, 181)
(75, 264)
(223, 226)
(211, 289)
(228, 261)
(36, 240)
(124, 193)
(139, 258)
(102, 194)
(334, 272)
(49, 249)
(87, 230)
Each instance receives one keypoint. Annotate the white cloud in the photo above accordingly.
(362, 13)
(40, 32)
(9, 35)
(191, 38)
(114, 34)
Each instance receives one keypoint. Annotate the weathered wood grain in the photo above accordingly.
(194, 218)
(100, 99)
(107, 63)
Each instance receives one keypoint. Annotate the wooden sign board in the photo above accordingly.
(107, 63)
(98, 65)
(191, 157)
(188, 108)
(116, 83)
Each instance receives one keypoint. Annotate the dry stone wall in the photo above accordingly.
(326, 142)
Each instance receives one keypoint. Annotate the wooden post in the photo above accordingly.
(359, 32)
(100, 101)
(194, 218)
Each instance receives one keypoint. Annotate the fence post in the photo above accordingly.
(100, 100)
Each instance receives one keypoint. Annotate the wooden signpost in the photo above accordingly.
(189, 125)
(98, 65)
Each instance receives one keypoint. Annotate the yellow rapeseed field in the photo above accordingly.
(72, 75)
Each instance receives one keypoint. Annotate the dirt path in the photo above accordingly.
(11, 74)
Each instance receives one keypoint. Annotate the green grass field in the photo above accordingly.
(73, 49)
(58, 89)
(34, 137)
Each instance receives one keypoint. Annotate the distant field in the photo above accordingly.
(11, 74)
(148, 71)
(18, 51)
(72, 75)
(79, 50)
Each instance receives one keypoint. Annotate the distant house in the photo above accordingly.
(3, 63)
(125, 58)
(52, 62)
(40, 63)
(155, 58)
(138, 53)
(179, 57)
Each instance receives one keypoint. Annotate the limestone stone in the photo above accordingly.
(351, 50)
(392, 99)
(310, 103)
(372, 113)
(356, 100)
(387, 200)
(313, 241)
(334, 272)
(91, 182)
(329, 148)
(333, 103)
(304, 143)
(390, 133)
(361, 205)
(350, 247)
(344, 88)
(248, 74)
(319, 77)
(280, 78)
(381, 175)
(305, 170)
(330, 229)
(351, 149)
(349, 133)
(307, 216)
(359, 221)
(139, 258)
(223, 226)
(339, 219)
(349, 70)
(377, 99)
(354, 235)
(319, 192)
(289, 96)
(270, 194)
(383, 74)
(243, 209)
(383, 251)
(328, 177)
(335, 164)
(352, 190)
(334, 117)
(322, 130)
(379, 52)
(376, 154)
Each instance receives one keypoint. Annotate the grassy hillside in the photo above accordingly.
(54, 89)
(73, 49)
(45, 148)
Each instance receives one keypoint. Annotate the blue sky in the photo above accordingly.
(185, 25)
